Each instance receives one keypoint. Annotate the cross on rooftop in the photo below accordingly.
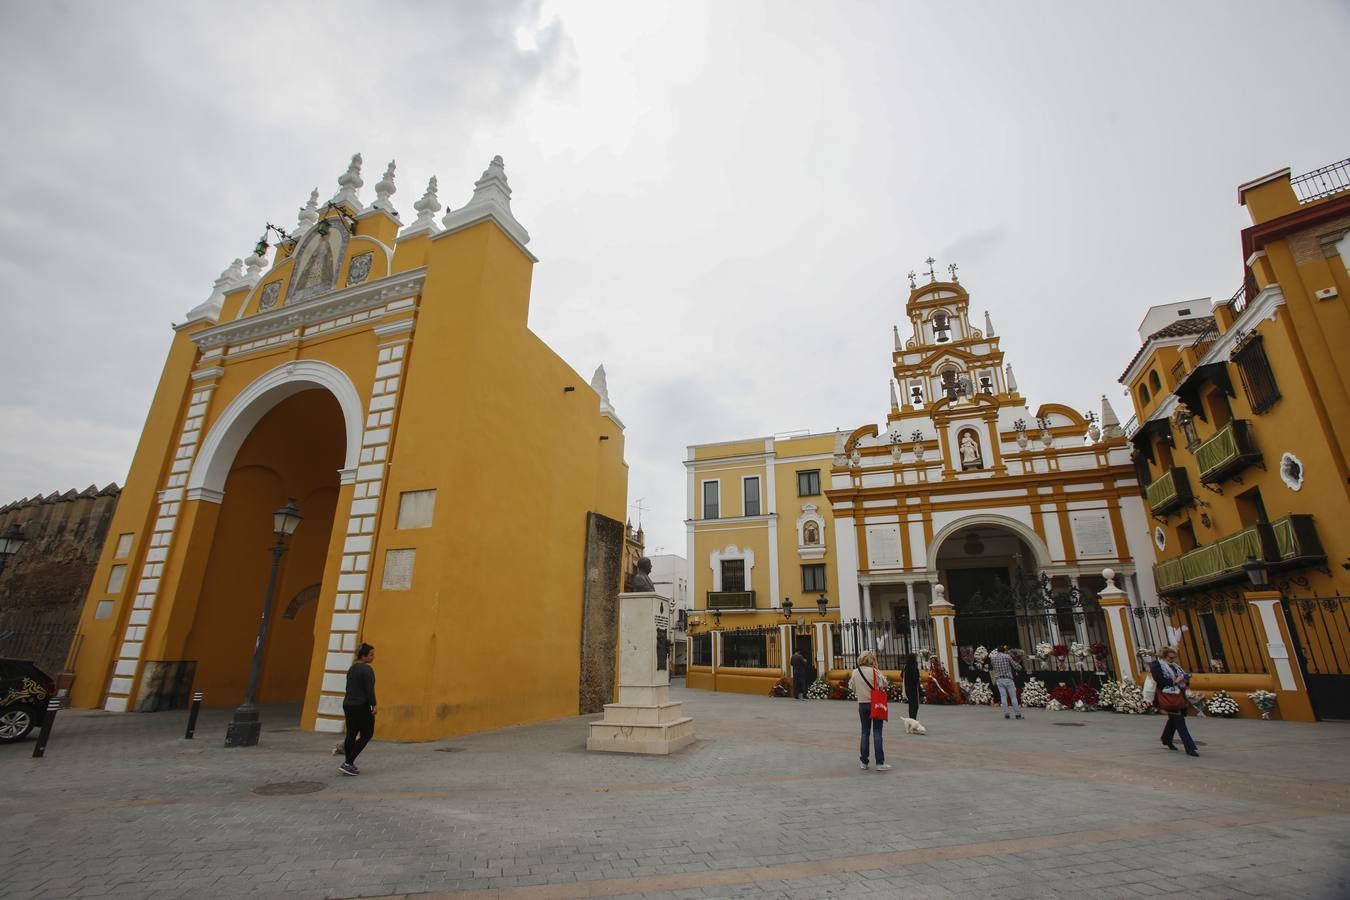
(932, 276)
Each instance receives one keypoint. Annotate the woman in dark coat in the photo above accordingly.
(1170, 677)
(911, 679)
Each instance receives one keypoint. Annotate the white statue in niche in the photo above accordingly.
(970, 452)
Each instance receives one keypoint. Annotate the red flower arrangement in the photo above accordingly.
(1064, 694)
(1085, 693)
(1060, 652)
(938, 687)
(1098, 649)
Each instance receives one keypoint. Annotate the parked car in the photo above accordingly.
(24, 689)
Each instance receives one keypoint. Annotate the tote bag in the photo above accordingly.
(880, 702)
(1171, 700)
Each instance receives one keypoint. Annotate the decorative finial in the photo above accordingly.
(932, 276)
(895, 331)
(384, 189)
(491, 197)
(309, 214)
(952, 268)
(255, 262)
(226, 281)
(426, 209)
(912, 283)
(349, 182)
(1012, 382)
(1110, 424)
(988, 325)
(600, 384)
(895, 402)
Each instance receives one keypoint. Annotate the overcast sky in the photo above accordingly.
(724, 197)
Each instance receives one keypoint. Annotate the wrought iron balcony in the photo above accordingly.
(1169, 491)
(1296, 540)
(1220, 561)
(731, 599)
(1226, 453)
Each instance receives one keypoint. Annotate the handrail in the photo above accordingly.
(1322, 182)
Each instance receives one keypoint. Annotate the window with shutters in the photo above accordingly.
(1257, 378)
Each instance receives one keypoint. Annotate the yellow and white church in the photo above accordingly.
(965, 490)
(462, 488)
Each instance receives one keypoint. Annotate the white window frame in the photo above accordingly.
(703, 498)
(759, 491)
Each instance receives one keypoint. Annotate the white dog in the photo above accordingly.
(913, 726)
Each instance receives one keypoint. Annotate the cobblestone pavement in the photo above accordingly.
(769, 802)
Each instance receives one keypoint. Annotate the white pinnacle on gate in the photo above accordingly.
(426, 209)
(309, 214)
(349, 182)
(229, 279)
(384, 189)
(491, 196)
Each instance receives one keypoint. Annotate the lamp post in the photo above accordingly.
(245, 725)
(10, 541)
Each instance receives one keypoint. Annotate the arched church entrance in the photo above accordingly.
(1001, 597)
(294, 451)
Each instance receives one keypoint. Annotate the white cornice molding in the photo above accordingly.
(1145, 358)
(327, 306)
(207, 374)
(396, 327)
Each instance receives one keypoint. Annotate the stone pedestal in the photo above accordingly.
(644, 720)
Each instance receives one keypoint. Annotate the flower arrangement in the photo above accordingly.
(937, 685)
(819, 690)
(1222, 705)
(1034, 694)
(1085, 695)
(781, 688)
(1108, 694)
(981, 657)
(1062, 693)
(979, 693)
(1080, 706)
(1099, 650)
(1130, 699)
(1017, 656)
(1264, 701)
(843, 690)
(1060, 652)
(1054, 705)
(1043, 650)
(895, 692)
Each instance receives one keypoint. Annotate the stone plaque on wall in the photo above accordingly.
(1092, 534)
(883, 546)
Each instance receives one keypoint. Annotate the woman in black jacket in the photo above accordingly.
(1172, 678)
(911, 679)
(358, 706)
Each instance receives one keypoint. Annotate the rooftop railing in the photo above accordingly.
(1322, 182)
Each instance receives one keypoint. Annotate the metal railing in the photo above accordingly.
(1206, 340)
(1170, 490)
(1228, 451)
(1243, 295)
(1322, 182)
(1212, 634)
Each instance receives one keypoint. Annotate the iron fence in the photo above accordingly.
(890, 640)
(1214, 632)
(1322, 182)
(700, 649)
(754, 647)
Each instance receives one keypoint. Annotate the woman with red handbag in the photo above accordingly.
(869, 686)
(1172, 679)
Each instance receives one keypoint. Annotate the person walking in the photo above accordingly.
(1001, 671)
(358, 706)
(1172, 679)
(910, 676)
(801, 672)
(865, 677)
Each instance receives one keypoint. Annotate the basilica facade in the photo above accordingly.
(964, 490)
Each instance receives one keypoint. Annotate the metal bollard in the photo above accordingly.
(192, 716)
(40, 748)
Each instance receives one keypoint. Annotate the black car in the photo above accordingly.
(24, 689)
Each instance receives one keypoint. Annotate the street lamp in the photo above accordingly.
(245, 725)
(10, 541)
(1257, 572)
(823, 606)
(787, 607)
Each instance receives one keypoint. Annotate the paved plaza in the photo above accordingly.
(769, 802)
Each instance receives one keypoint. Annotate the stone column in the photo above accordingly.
(944, 630)
(823, 647)
(866, 602)
(644, 720)
(1116, 609)
(1286, 674)
(784, 650)
(913, 615)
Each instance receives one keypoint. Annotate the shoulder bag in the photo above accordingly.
(880, 702)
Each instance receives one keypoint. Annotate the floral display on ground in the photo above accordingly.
(1222, 704)
(1108, 694)
(977, 692)
(781, 688)
(819, 689)
(1034, 694)
(937, 685)
(1264, 701)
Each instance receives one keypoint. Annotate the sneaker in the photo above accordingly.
(1017, 717)
(1006, 716)
(863, 766)
(348, 769)
(884, 767)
